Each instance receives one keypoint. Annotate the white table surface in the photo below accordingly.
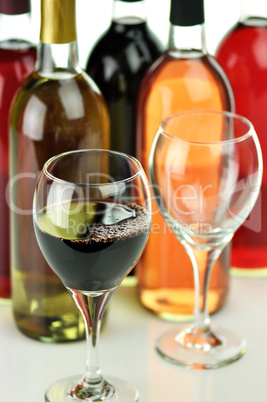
(28, 367)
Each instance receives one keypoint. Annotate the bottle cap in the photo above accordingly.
(187, 12)
(14, 7)
(58, 23)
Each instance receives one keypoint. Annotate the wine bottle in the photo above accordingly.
(58, 108)
(118, 62)
(242, 54)
(17, 60)
(184, 77)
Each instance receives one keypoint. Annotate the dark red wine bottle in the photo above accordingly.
(17, 60)
(117, 64)
(242, 54)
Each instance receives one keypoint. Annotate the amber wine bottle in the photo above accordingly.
(58, 108)
(184, 77)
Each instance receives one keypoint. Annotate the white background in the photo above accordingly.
(127, 343)
(127, 350)
(93, 18)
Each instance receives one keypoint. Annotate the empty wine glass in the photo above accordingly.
(206, 170)
(92, 218)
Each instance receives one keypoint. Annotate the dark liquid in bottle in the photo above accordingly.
(117, 64)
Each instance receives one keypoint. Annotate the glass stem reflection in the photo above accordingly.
(92, 306)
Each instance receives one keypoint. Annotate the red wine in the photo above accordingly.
(94, 247)
(15, 65)
(242, 54)
(117, 64)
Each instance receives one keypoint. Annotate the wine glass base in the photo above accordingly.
(61, 391)
(231, 349)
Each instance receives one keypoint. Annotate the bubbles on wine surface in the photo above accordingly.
(95, 221)
(85, 253)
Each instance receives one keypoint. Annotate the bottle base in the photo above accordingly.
(67, 328)
(177, 305)
(248, 272)
(5, 301)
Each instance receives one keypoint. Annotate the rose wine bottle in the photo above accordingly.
(58, 108)
(184, 77)
(17, 60)
(242, 53)
(117, 64)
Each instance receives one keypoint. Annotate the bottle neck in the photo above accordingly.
(187, 41)
(253, 11)
(15, 30)
(58, 60)
(187, 29)
(128, 12)
(58, 50)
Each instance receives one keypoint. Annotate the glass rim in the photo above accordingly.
(96, 151)
(194, 112)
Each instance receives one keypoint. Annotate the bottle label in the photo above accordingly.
(14, 7)
(58, 23)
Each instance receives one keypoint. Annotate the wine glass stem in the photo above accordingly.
(92, 306)
(202, 261)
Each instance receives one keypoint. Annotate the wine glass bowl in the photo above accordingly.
(206, 170)
(92, 218)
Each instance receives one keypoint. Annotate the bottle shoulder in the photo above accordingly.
(243, 39)
(15, 66)
(58, 99)
(185, 83)
(134, 41)
(242, 54)
(169, 68)
(17, 45)
(39, 84)
(59, 114)
(22, 53)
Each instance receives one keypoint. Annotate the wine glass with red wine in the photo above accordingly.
(92, 218)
